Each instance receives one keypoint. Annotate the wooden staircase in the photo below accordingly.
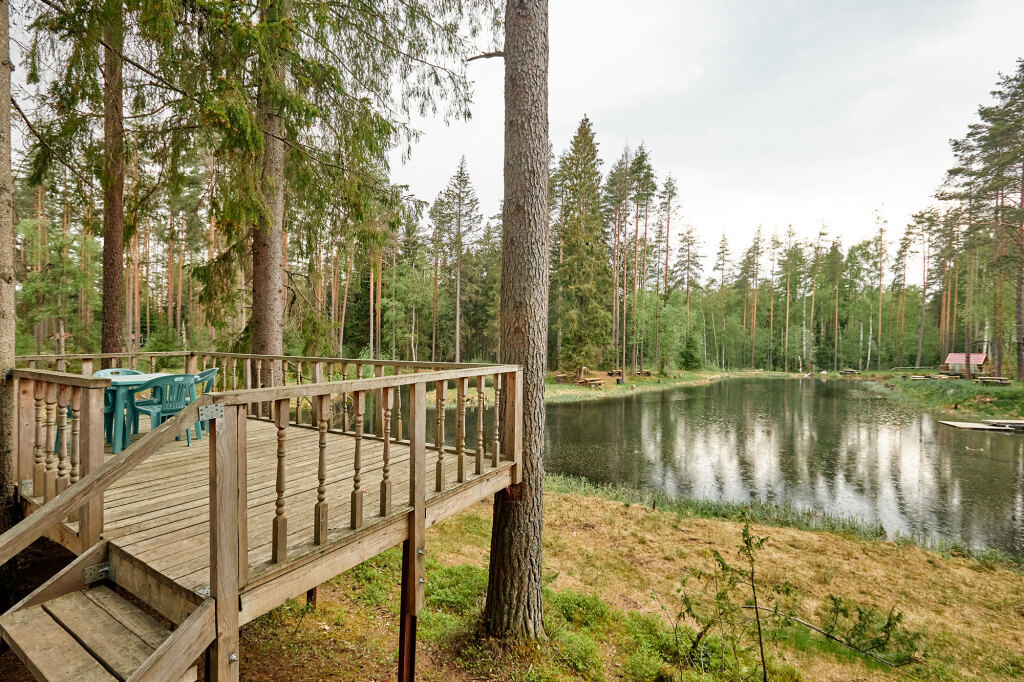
(85, 636)
(75, 627)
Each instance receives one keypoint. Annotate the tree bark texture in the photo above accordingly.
(513, 606)
(267, 322)
(8, 508)
(113, 186)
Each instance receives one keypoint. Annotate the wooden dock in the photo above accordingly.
(263, 509)
(977, 426)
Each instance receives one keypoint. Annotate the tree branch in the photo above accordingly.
(64, 162)
(488, 55)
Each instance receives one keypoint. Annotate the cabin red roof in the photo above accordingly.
(961, 358)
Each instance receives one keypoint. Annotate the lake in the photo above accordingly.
(831, 445)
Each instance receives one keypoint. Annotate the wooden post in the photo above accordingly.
(87, 367)
(90, 518)
(191, 364)
(358, 407)
(496, 437)
(323, 409)
(241, 447)
(279, 550)
(512, 429)
(413, 549)
(460, 427)
(224, 537)
(385, 484)
(26, 429)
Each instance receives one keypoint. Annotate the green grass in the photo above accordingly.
(961, 396)
(555, 393)
(763, 513)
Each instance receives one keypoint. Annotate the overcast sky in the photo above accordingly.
(766, 111)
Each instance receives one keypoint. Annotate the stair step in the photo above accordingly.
(47, 649)
(84, 636)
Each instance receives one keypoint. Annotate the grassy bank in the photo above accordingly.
(618, 567)
(567, 393)
(960, 397)
(555, 392)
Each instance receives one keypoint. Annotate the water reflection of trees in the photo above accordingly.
(819, 444)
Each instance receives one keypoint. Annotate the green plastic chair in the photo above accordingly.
(108, 397)
(204, 384)
(170, 396)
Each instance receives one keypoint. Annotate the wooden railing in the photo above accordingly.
(59, 441)
(245, 581)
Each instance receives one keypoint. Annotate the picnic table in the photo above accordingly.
(120, 385)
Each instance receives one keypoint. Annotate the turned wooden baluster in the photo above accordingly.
(460, 427)
(323, 404)
(39, 451)
(496, 439)
(75, 454)
(441, 387)
(63, 462)
(330, 399)
(385, 484)
(279, 550)
(257, 382)
(480, 425)
(344, 399)
(50, 477)
(398, 411)
(358, 407)
(298, 401)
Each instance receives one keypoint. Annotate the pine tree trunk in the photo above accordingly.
(113, 187)
(267, 323)
(8, 508)
(513, 607)
(924, 304)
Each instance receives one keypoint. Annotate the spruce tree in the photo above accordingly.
(583, 274)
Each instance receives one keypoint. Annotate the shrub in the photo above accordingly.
(578, 652)
(580, 610)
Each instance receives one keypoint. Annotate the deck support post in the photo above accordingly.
(90, 516)
(224, 652)
(406, 623)
(413, 549)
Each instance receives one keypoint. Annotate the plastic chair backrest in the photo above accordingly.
(115, 372)
(205, 379)
(170, 393)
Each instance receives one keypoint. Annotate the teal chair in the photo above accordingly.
(108, 397)
(204, 384)
(170, 395)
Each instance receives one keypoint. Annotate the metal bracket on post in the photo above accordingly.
(207, 412)
(97, 572)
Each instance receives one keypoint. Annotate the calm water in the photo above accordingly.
(827, 445)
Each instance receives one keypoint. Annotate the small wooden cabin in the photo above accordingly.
(957, 362)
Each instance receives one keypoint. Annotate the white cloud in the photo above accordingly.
(768, 112)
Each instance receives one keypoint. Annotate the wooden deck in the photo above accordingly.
(215, 533)
(159, 513)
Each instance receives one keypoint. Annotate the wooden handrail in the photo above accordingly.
(50, 514)
(62, 378)
(350, 385)
(251, 356)
(182, 648)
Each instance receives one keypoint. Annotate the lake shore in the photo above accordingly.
(950, 397)
(612, 569)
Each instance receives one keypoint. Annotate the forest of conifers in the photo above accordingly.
(370, 270)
